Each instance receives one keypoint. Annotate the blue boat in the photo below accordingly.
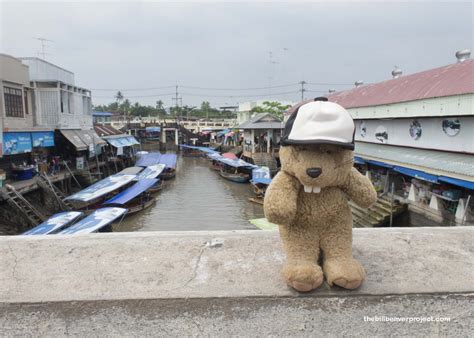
(55, 223)
(99, 220)
(260, 181)
(169, 160)
(135, 198)
(149, 159)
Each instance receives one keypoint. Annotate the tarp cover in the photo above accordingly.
(149, 159)
(122, 141)
(236, 163)
(131, 170)
(97, 220)
(129, 194)
(203, 149)
(55, 223)
(261, 172)
(152, 171)
(262, 180)
(102, 187)
(169, 160)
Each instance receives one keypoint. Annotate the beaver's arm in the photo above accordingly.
(360, 189)
(281, 199)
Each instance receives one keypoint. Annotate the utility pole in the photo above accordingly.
(43, 46)
(302, 90)
(177, 99)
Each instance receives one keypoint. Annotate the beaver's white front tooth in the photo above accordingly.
(307, 188)
(316, 190)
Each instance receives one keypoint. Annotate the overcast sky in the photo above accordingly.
(131, 45)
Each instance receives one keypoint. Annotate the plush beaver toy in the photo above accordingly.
(308, 198)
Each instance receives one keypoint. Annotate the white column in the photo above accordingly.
(252, 135)
(176, 141)
(269, 135)
(412, 194)
(434, 203)
(461, 209)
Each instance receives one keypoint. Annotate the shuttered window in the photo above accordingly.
(13, 102)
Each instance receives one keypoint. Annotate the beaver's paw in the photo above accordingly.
(303, 276)
(344, 272)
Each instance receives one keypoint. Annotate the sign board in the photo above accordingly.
(16, 143)
(43, 139)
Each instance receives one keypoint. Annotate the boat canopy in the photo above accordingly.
(230, 155)
(102, 187)
(129, 194)
(55, 223)
(146, 160)
(97, 220)
(203, 149)
(261, 172)
(169, 160)
(131, 170)
(262, 180)
(118, 141)
(214, 156)
(152, 171)
(238, 163)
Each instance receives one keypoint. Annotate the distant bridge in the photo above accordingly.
(195, 125)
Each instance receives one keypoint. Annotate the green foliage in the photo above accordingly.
(123, 106)
(272, 107)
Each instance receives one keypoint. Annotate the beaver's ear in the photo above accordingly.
(288, 154)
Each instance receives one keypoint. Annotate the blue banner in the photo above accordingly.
(43, 139)
(16, 143)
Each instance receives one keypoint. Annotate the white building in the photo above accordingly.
(58, 102)
(419, 127)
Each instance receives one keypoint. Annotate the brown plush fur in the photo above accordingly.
(310, 222)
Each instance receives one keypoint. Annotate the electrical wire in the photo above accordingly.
(240, 89)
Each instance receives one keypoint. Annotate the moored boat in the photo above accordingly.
(237, 177)
(99, 220)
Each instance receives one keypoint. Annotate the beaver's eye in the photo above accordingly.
(329, 152)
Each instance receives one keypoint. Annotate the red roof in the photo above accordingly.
(449, 80)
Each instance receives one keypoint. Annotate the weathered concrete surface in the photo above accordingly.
(221, 283)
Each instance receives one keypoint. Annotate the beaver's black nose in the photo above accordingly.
(314, 172)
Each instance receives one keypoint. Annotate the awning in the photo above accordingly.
(169, 160)
(152, 129)
(129, 194)
(146, 160)
(359, 160)
(102, 187)
(97, 220)
(55, 223)
(74, 139)
(203, 149)
(439, 163)
(91, 137)
(458, 182)
(121, 140)
(417, 174)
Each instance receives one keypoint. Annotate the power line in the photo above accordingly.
(328, 84)
(237, 89)
(231, 96)
(135, 96)
(130, 89)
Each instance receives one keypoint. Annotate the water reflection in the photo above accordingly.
(197, 199)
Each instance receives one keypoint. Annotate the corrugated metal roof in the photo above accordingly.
(455, 79)
(431, 161)
(106, 130)
(257, 123)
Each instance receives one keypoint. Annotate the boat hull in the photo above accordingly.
(237, 178)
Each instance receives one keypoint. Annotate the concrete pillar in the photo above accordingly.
(368, 175)
(461, 209)
(163, 135)
(269, 135)
(434, 203)
(252, 135)
(176, 134)
(412, 194)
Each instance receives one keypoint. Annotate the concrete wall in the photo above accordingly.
(228, 283)
(41, 70)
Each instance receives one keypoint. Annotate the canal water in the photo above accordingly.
(197, 199)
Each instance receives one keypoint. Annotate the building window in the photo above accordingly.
(13, 102)
(26, 101)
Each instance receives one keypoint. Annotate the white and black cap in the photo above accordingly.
(319, 122)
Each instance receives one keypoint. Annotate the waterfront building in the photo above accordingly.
(261, 138)
(22, 140)
(415, 131)
(102, 117)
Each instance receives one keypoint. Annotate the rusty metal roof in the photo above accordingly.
(106, 130)
(449, 80)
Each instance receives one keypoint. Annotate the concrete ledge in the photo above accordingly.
(192, 283)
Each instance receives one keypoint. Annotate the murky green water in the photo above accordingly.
(197, 199)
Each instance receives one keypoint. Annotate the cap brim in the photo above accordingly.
(344, 145)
